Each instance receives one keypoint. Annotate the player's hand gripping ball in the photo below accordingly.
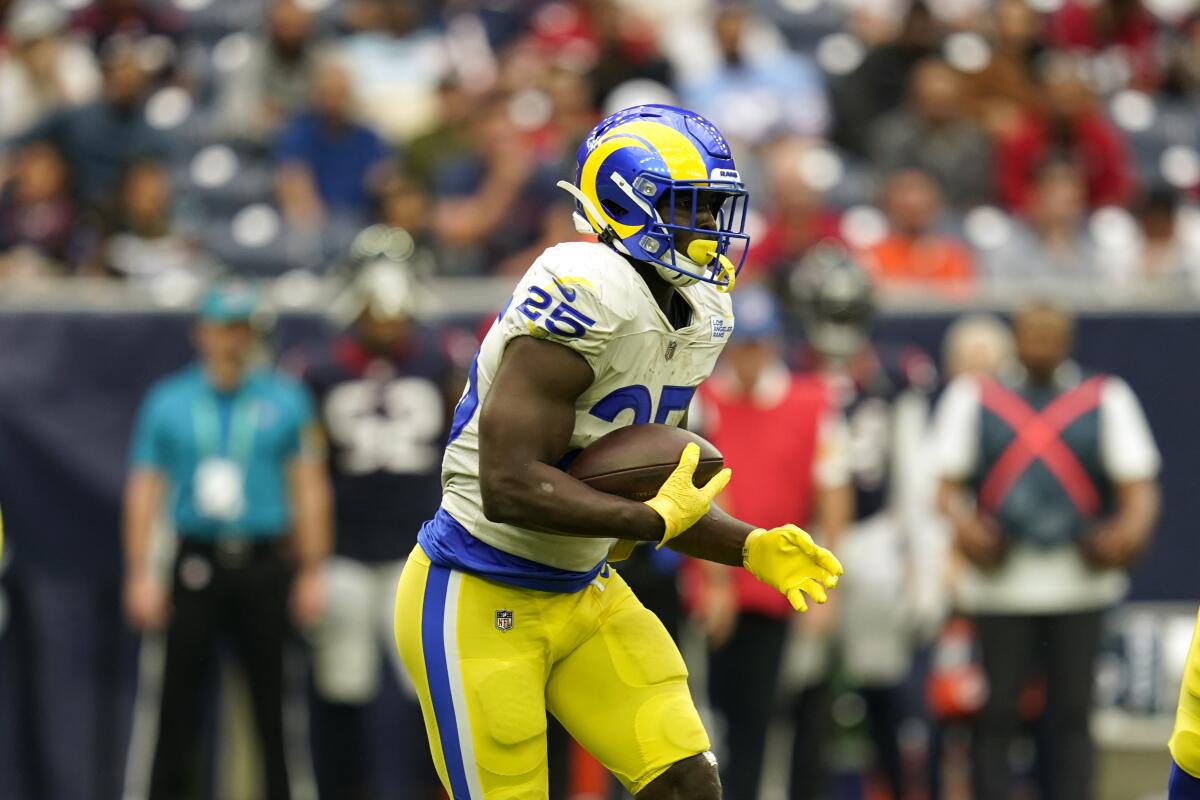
(680, 502)
(788, 559)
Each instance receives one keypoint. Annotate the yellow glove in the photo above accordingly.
(788, 559)
(679, 502)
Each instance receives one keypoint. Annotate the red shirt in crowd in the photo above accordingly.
(1090, 141)
(782, 443)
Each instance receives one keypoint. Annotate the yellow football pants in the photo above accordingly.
(1185, 739)
(489, 660)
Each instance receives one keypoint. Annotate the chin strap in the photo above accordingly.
(582, 224)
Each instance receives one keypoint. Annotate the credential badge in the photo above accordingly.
(504, 620)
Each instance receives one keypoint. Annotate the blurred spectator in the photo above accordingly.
(1121, 28)
(933, 133)
(878, 84)
(103, 20)
(1007, 85)
(795, 216)
(1065, 126)
(626, 49)
(232, 451)
(385, 389)
(275, 80)
(976, 344)
(1053, 244)
(1183, 60)
(36, 209)
(328, 162)
(573, 115)
(395, 63)
(757, 88)
(42, 69)
(1049, 481)
(142, 242)
(498, 200)
(101, 141)
(890, 601)
(448, 141)
(791, 448)
(914, 254)
(1165, 257)
(404, 205)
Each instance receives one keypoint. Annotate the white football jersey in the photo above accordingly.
(586, 297)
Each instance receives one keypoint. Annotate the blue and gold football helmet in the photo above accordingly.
(641, 164)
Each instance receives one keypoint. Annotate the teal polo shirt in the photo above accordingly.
(262, 426)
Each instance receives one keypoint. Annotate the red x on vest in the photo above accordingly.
(1038, 436)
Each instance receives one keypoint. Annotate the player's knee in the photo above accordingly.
(693, 778)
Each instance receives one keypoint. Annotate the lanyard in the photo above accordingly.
(206, 423)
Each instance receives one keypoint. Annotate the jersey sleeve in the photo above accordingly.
(1127, 446)
(576, 305)
(304, 439)
(956, 429)
(148, 447)
(831, 466)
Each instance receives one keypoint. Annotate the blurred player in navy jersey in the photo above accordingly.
(890, 598)
(384, 389)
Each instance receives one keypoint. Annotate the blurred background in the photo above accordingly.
(966, 156)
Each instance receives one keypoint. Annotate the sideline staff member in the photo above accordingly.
(1049, 479)
(235, 449)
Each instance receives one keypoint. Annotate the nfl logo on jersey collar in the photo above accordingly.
(504, 620)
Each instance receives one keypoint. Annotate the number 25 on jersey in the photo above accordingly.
(565, 320)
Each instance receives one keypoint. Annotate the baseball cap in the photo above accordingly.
(228, 302)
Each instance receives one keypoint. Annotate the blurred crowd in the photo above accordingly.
(933, 147)
(952, 143)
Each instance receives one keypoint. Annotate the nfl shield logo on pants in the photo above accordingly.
(504, 620)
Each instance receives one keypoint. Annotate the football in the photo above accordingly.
(635, 461)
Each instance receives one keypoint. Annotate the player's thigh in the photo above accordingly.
(480, 685)
(385, 578)
(345, 649)
(623, 695)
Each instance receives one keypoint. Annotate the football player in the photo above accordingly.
(508, 609)
(384, 389)
(890, 602)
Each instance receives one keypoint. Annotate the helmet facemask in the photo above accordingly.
(718, 231)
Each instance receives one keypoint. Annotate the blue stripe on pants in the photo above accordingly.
(433, 611)
(1183, 786)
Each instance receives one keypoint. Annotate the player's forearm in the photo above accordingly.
(835, 512)
(954, 504)
(142, 494)
(312, 504)
(717, 537)
(1137, 508)
(544, 498)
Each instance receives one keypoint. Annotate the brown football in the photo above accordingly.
(635, 461)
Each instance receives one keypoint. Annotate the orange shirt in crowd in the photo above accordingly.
(938, 260)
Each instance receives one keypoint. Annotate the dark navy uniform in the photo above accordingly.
(385, 417)
(386, 421)
(866, 392)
